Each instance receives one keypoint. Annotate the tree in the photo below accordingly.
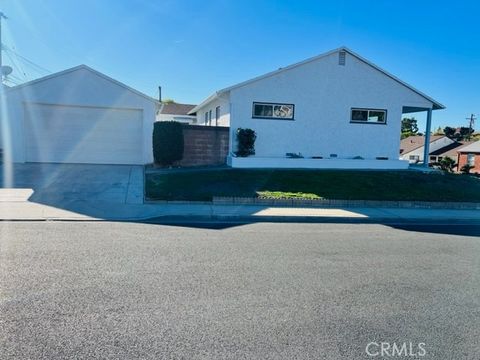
(465, 133)
(447, 164)
(439, 131)
(168, 101)
(449, 132)
(409, 127)
(458, 134)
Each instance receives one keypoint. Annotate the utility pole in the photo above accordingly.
(471, 123)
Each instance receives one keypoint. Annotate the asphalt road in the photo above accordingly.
(100, 290)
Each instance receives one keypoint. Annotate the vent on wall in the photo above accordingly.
(341, 58)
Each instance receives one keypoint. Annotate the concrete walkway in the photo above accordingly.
(15, 205)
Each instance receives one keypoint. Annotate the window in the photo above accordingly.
(210, 117)
(433, 158)
(273, 111)
(471, 159)
(206, 118)
(217, 115)
(414, 158)
(369, 116)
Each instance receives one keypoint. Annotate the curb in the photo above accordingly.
(332, 203)
(323, 203)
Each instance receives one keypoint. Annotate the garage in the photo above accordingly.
(73, 134)
(80, 116)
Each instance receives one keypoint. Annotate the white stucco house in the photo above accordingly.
(337, 110)
(78, 115)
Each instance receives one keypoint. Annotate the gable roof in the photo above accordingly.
(471, 148)
(451, 149)
(436, 104)
(414, 142)
(175, 109)
(84, 67)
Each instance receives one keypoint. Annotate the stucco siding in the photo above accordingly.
(81, 88)
(323, 93)
(224, 119)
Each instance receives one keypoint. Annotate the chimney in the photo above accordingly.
(160, 94)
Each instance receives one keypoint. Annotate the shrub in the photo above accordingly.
(466, 168)
(446, 164)
(245, 142)
(167, 142)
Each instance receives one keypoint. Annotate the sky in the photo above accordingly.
(193, 48)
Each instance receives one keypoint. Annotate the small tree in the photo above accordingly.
(245, 142)
(167, 142)
(466, 169)
(447, 164)
(409, 127)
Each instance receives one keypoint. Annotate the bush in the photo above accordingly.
(466, 168)
(446, 164)
(167, 142)
(245, 142)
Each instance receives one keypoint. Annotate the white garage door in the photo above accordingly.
(71, 134)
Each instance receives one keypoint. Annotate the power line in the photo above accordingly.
(17, 66)
(26, 60)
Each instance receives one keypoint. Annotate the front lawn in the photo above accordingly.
(310, 184)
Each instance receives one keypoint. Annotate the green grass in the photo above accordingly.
(312, 184)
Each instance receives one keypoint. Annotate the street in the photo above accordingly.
(96, 290)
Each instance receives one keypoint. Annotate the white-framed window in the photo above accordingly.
(414, 158)
(210, 117)
(471, 159)
(368, 116)
(278, 111)
(217, 115)
(206, 118)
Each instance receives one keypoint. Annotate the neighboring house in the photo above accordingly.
(449, 151)
(332, 109)
(176, 112)
(79, 115)
(412, 148)
(470, 155)
(217, 113)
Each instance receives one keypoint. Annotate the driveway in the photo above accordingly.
(60, 184)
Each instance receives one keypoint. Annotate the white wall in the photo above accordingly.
(79, 87)
(224, 119)
(324, 93)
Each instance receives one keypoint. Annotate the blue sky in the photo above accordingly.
(193, 48)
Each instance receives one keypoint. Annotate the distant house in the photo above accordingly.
(335, 110)
(449, 151)
(470, 155)
(412, 148)
(176, 112)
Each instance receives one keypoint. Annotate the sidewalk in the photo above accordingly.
(19, 208)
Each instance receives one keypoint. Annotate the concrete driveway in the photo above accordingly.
(59, 184)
